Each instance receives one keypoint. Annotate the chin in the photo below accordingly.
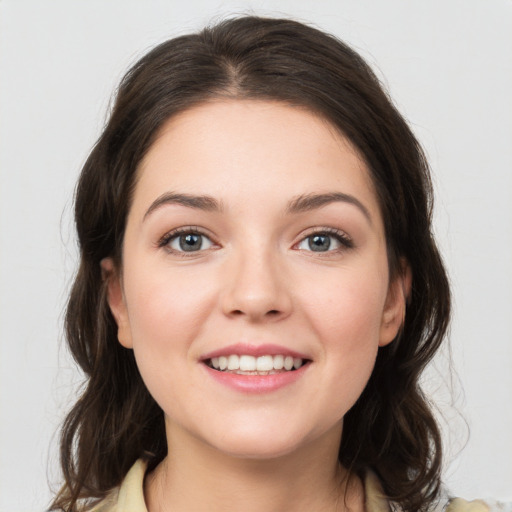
(262, 442)
(259, 449)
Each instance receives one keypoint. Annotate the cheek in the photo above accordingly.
(346, 314)
(347, 308)
(166, 312)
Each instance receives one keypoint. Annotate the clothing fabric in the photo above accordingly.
(129, 497)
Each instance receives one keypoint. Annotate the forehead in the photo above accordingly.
(252, 148)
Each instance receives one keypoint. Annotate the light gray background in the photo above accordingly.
(447, 64)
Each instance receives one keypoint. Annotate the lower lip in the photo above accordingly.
(257, 383)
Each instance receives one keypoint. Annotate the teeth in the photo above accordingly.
(246, 363)
(233, 362)
(278, 362)
(264, 363)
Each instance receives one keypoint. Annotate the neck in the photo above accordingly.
(195, 476)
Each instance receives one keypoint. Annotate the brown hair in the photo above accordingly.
(115, 421)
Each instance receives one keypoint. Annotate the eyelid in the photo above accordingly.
(163, 241)
(341, 236)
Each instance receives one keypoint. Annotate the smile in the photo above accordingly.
(250, 365)
(262, 368)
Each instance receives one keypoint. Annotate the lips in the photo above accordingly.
(258, 369)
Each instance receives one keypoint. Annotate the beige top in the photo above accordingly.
(129, 497)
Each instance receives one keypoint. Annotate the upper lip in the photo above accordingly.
(253, 350)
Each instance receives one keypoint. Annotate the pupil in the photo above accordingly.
(190, 242)
(319, 243)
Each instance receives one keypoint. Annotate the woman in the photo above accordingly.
(259, 289)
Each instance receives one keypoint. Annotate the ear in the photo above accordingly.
(393, 316)
(116, 301)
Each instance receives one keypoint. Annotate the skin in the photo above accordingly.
(256, 280)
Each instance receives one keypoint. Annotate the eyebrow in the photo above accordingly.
(307, 202)
(300, 204)
(205, 203)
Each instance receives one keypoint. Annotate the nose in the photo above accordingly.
(256, 288)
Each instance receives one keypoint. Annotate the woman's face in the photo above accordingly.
(254, 241)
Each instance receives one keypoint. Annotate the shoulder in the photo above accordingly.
(376, 501)
(460, 505)
(129, 496)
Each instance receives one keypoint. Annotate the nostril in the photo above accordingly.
(273, 312)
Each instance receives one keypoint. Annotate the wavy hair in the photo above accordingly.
(391, 428)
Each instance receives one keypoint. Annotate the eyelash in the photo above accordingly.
(345, 241)
(340, 236)
(175, 233)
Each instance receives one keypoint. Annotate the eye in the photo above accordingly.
(325, 241)
(186, 240)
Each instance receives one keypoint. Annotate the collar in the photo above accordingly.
(129, 497)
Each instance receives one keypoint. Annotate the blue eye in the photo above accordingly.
(319, 243)
(188, 241)
(325, 242)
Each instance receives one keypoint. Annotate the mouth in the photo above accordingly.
(256, 369)
(246, 364)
